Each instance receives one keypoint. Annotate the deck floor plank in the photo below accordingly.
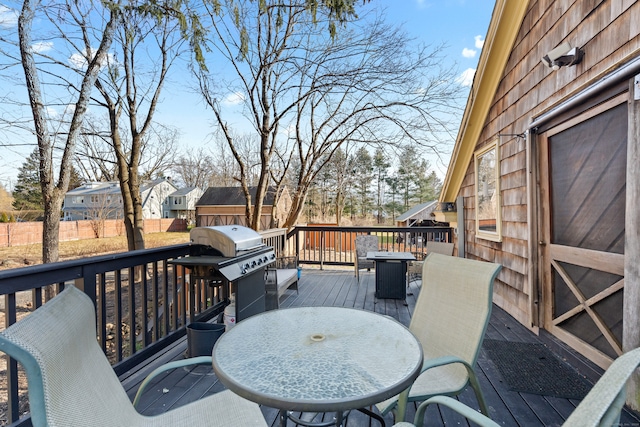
(339, 287)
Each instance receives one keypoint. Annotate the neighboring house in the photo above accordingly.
(93, 200)
(103, 200)
(227, 205)
(545, 166)
(182, 203)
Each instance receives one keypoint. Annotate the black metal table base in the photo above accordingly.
(340, 419)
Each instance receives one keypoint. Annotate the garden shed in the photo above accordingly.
(227, 205)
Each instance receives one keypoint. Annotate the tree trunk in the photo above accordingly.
(52, 192)
(297, 205)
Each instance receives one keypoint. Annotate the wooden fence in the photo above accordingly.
(30, 233)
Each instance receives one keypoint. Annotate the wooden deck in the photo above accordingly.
(340, 288)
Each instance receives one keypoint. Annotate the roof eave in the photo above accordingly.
(503, 29)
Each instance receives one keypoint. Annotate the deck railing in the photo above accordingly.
(333, 245)
(146, 283)
(143, 282)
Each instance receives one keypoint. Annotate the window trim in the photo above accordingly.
(484, 233)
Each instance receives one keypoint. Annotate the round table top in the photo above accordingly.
(317, 359)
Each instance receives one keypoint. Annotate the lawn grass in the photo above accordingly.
(20, 256)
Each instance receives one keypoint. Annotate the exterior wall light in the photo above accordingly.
(563, 56)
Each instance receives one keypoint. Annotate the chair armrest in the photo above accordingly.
(201, 360)
(440, 361)
(459, 407)
(428, 364)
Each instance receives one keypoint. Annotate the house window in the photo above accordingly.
(487, 172)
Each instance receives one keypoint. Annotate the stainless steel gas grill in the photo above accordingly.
(233, 258)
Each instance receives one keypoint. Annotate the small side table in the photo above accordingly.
(391, 273)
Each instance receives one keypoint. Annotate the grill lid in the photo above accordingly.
(229, 240)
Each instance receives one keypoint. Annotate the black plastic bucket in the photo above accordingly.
(201, 337)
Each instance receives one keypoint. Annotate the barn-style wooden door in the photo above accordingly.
(582, 198)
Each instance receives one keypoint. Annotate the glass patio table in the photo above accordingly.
(317, 359)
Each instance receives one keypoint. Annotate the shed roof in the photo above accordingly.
(232, 196)
(416, 210)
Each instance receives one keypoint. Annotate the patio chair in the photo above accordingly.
(364, 244)
(600, 407)
(440, 248)
(415, 267)
(71, 382)
(450, 318)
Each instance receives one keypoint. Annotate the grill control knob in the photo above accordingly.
(259, 261)
(273, 256)
(253, 263)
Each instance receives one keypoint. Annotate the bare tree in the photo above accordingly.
(65, 133)
(100, 208)
(366, 84)
(259, 40)
(130, 91)
(95, 155)
(369, 86)
(194, 168)
(95, 158)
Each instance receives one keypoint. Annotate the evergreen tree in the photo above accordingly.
(393, 206)
(338, 168)
(428, 184)
(380, 168)
(408, 175)
(363, 176)
(76, 179)
(27, 193)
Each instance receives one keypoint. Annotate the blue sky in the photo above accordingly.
(460, 24)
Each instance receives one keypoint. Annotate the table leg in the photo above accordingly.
(372, 414)
(339, 420)
(283, 418)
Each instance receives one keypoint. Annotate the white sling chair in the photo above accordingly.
(450, 318)
(71, 382)
(601, 406)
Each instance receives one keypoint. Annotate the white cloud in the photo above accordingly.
(479, 42)
(40, 47)
(8, 17)
(466, 78)
(78, 59)
(234, 98)
(468, 53)
(52, 112)
(69, 109)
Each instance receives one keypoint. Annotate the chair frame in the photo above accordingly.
(364, 263)
(68, 320)
(447, 267)
(601, 406)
